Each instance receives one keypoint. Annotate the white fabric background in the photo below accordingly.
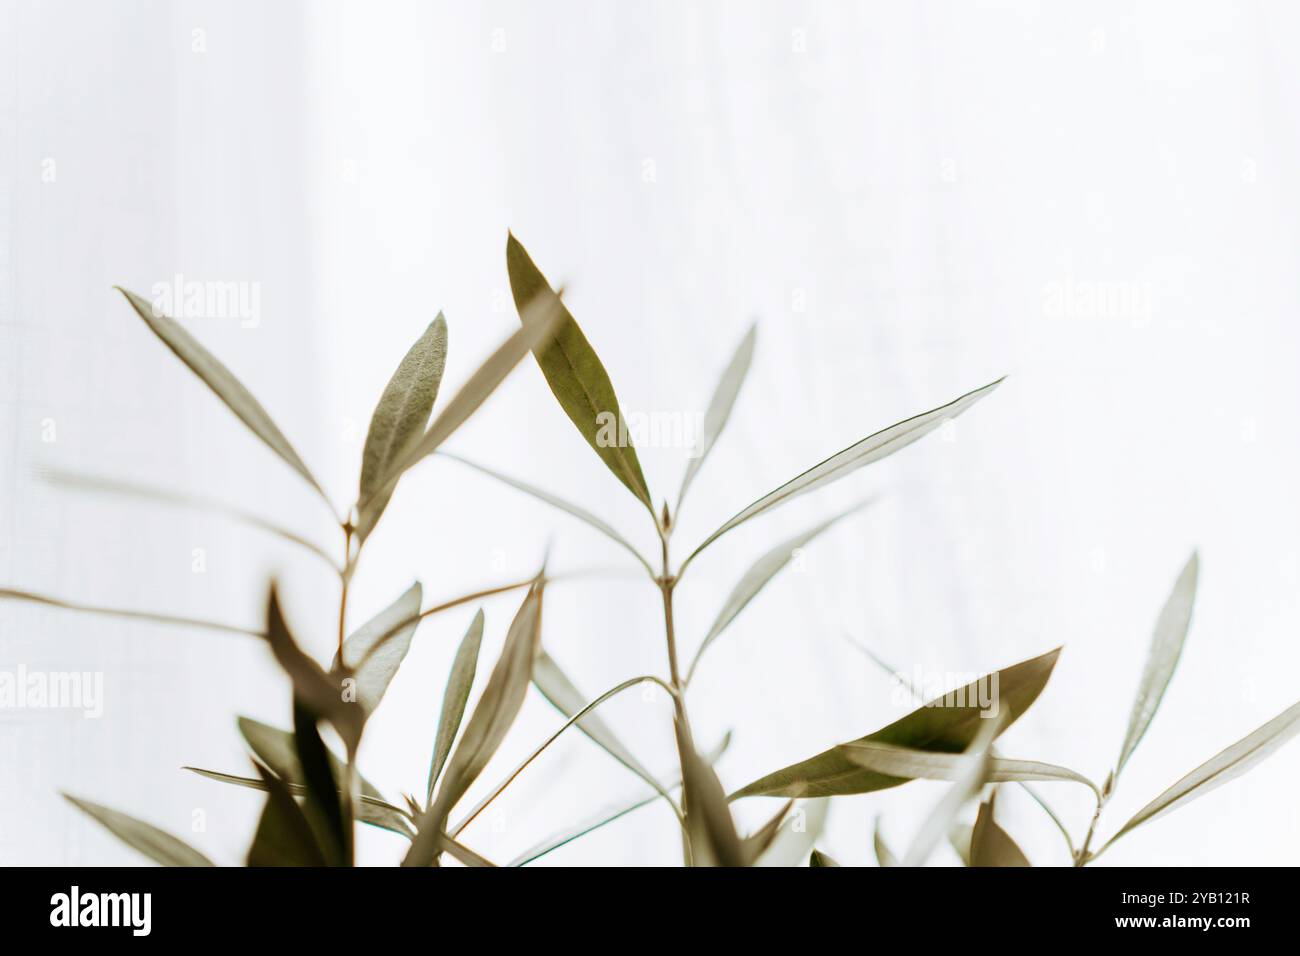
(899, 194)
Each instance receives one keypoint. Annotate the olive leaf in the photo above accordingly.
(719, 410)
(278, 750)
(372, 810)
(915, 764)
(870, 449)
(710, 830)
(959, 838)
(973, 776)
(493, 715)
(284, 836)
(325, 794)
(564, 696)
(796, 836)
(884, 855)
(820, 859)
(399, 419)
(158, 845)
(222, 382)
(576, 376)
(582, 514)
(1223, 767)
(1166, 647)
(947, 724)
(322, 693)
(454, 698)
(756, 578)
(990, 845)
(374, 652)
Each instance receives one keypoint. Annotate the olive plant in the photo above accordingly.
(314, 798)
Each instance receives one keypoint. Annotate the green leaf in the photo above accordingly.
(1166, 647)
(819, 858)
(324, 794)
(868, 450)
(492, 718)
(795, 839)
(710, 830)
(223, 382)
(990, 845)
(278, 750)
(284, 836)
(724, 399)
(322, 693)
(455, 697)
(369, 809)
(565, 697)
(399, 420)
(1220, 769)
(884, 855)
(374, 652)
(967, 785)
(576, 376)
(915, 764)
(756, 578)
(157, 845)
(556, 502)
(941, 725)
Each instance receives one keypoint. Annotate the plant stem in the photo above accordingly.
(345, 579)
(1082, 857)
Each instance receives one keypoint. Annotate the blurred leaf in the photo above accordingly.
(868, 450)
(322, 693)
(724, 399)
(798, 832)
(324, 792)
(576, 375)
(756, 578)
(455, 697)
(820, 859)
(157, 845)
(277, 749)
(493, 715)
(374, 652)
(9, 594)
(990, 845)
(555, 502)
(967, 785)
(959, 838)
(220, 379)
(937, 726)
(758, 842)
(913, 764)
(372, 810)
(884, 855)
(399, 419)
(710, 831)
(284, 836)
(565, 697)
(1225, 766)
(1166, 647)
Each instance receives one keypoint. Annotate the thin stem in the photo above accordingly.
(149, 616)
(1082, 857)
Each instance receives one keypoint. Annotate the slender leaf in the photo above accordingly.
(710, 830)
(884, 855)
(947, 724)
(565, 697)
(756, 578)
(9, 594)
(556, 502)
(577, 377)
(399, 420)
(374, 652)
(929, 765)
(323, 693)
(284, 836)
(495, 712)
(724, 399)
(157, 845)
(323, 791)
(455, 697)
(868, 450)
(819, 858)
(372, 810)
(278, 750)
(1225, 766)
(795, 839)
(973, 776)
(959, 838)
(1166, 648)
(990, 845)
(222, 382)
